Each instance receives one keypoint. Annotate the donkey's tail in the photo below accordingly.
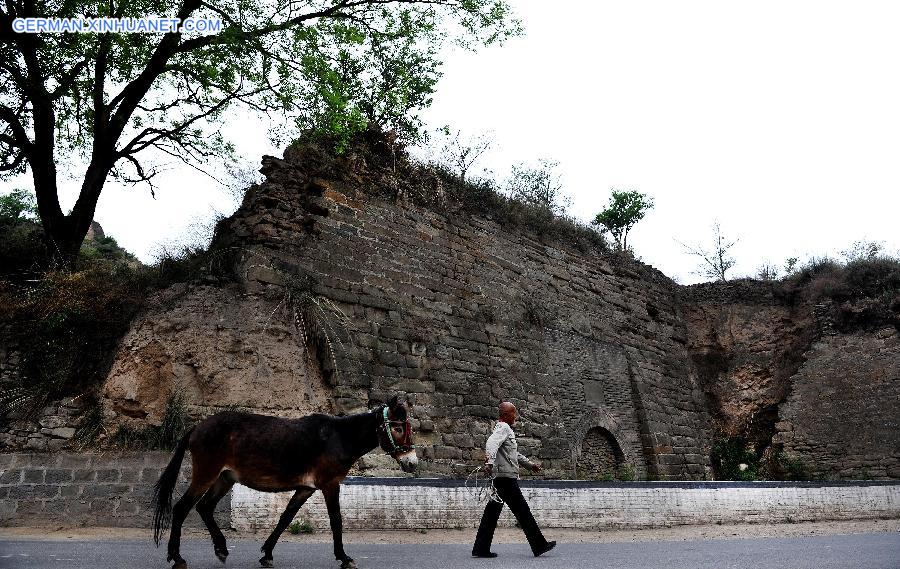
(162, 492)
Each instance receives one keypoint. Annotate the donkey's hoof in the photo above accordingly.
(266, 562)
(180, 565)
(349, 564)
(222, 554)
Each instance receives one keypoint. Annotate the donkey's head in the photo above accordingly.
(395, 434)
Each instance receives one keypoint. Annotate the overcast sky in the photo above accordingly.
(781, 120)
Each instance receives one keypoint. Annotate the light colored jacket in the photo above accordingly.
(503, 452)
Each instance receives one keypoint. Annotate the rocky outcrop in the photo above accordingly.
(222, 349)
(746, 340)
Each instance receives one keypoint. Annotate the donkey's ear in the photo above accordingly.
(392, 402)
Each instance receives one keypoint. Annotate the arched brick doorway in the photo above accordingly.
(601, 456)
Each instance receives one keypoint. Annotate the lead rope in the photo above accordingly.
(481, 488)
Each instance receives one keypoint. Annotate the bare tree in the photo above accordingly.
(461, 152)
(716, 261)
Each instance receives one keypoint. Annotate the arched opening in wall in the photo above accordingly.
(601, 457)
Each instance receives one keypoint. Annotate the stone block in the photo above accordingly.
(63, 432)
(129, 475)
(34, 476)
(447, 452)
(57, 475)
(150, 475)
(107, 475)
(83, 475)
(11, 476)
(7, 510)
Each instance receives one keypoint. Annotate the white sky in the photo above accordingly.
(779, 119)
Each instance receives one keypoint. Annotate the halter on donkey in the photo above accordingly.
(271, 454)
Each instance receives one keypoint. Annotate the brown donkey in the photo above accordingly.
(275, 455)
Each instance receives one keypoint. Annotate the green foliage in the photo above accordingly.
(106, 249)
(22, 248)
(538, 186)
(16, 206)
(482, 196)
(733, 459)
(331, 65)
(301, 526)
(873, 277)
(624, 210)
(863, 276)
(791, 467)
(627, 473)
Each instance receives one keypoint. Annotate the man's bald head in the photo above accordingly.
(508, 412)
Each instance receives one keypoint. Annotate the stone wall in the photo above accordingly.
(344, 290)
(456, 310)
(415, 504)
(842, 416)
(51, 430)
(113, 489)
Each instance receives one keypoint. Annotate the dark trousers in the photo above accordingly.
(508, 489)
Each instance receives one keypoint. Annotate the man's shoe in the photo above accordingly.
(489, 554)
(550, 545)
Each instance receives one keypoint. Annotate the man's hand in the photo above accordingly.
(489, 468)
(535, 467)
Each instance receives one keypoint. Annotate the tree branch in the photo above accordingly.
(11, 118)
(17, 161)
(68, 79)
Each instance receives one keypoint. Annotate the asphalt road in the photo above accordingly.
(861, 551)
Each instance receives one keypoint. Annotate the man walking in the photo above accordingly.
(502, 463)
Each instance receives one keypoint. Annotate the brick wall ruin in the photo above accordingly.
(341, 289)
(453, 309)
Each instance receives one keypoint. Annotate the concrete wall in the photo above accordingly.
(113, 489)
(423, 503)
(116, 489)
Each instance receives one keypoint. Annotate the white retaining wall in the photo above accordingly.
(409, 503)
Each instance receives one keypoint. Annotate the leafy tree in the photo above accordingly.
(17, 205)
(624, 210)
(538, 186)
(121, 102)
(716, 261)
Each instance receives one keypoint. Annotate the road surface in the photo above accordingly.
(860, 551)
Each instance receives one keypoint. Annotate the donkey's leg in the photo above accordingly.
(207, 505)
(201, 480)
(297, 500)
(332, 494)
